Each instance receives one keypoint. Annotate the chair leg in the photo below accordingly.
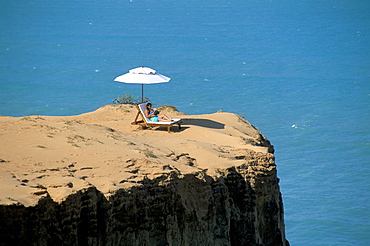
(169, 129)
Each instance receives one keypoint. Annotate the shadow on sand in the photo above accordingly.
(188, 122)
(203, 123)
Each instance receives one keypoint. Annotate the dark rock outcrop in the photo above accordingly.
(242, 205)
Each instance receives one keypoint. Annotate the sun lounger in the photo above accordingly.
(145, 121)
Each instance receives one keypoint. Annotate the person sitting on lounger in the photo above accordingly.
(154, 116)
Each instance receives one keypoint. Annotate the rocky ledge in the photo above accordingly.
(213, 182)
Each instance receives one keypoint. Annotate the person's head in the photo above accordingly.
(148, 105)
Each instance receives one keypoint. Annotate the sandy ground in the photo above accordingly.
(61, 155)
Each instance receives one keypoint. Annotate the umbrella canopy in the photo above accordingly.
(142, 75)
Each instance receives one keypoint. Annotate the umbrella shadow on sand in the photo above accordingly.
(203, 123)
(188, 122)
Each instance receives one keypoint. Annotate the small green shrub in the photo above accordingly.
(148, 153)
(129, 99)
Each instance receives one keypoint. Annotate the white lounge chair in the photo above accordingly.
(145, 121)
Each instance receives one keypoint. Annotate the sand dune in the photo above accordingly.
(54, 155)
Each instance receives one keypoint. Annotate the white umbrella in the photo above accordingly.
(142, 75)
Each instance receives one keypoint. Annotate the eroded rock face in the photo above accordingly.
(241, 205)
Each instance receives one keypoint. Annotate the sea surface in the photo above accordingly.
(297, 70)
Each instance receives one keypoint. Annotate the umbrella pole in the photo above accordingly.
(142, 93)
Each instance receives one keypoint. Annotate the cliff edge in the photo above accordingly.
(95, 179)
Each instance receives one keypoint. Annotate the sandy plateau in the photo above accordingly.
(59, 156)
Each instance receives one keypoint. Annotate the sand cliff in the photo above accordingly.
(95, 179)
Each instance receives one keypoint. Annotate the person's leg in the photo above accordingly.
(163, 119)
(166, 117)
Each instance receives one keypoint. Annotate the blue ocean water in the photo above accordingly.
(297, 70)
